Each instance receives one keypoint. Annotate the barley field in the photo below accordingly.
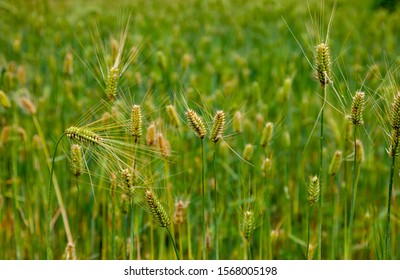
(217, 129)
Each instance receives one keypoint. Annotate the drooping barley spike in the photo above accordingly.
(163, 145)
(196, 123)
(335, 163)
(128, 181)
(248, 225)
(76, 163)
(357, 108)
(157, 210)
(237, 122)
(313, 190)
(359, 151)
(395, 113)
(248, 152)
(112, 83)
(267, 134)
(178, 214)
(266, 166)
(83, 135)
(151, 135)
(136, 122)
(323, 67)
(68, 67)
(218, 126)
(173, 116)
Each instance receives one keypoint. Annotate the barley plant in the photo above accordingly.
(154, 130)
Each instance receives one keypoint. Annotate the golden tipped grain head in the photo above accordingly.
(112, 83)
(151, 135)
(157, 210)
(83, 135)
(335, 163)
(266, 166)
(173, 116)
(248, 225)
(357, 108)
(395, 113)
(4, 100)
(68, 68)
(196, 123)
(248, 152)
(218, 126)
(267, 134)
(359, 151)
(28, 105)
(313, 190)
(238, 122)
(136, 121)
(76, 163)
(323, 66)
(163, 146)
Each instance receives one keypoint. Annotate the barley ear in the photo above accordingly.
(157, 210)
(218, 126)
(335, 163)
(76, 163)
(196, 123)
(173, 116)
(323, 65)
(313, 190)
(357, 108)
(267, 134)
(248, 225)
(83, 135)
(136, 122)
(112, 83)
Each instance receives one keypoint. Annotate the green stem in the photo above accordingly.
(203, 194)
(353, 197)
(131, 238)
(173, 243)
(320, 176)
(387, 236)
(215, 205)
(308, 233)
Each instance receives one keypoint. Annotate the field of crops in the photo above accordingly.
(218, 129)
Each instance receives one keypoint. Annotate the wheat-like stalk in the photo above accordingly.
(218, 126)
(151, 135)
(83, 135)
(136, 122)
(323, 65)
(112, 83)
(76, 163)
(157, 210)
(267, 134)
(196, 123)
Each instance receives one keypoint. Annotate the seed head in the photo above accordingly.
(323, 67)
(335, 163)
(395, 114)
(163, 145)
(357, 109)
(196, 123)
(359, 151)
(28, 105)
(237, 122)
(112, 83)
(248, 152)
(218, 126)
(136, 122)
(83, 135)
(157, 210)
(313, 190)
(151, 135)
(267, 134)
(76, 163)
(248, 225)
(173, 116)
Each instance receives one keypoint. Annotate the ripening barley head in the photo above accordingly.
(395, 113)
(128, 181)
(357, 108)
(323, 66)
(237, 122)
(248, 152)
(136, 121)
(267, 134)
(248, 225)
(196, 123)
(335, 163)
(151, 135)
(218, 126)
(163, 145)
(112, 83)
(83, 135)
(157, 210)
(173, 116)
(76, 162)
(313, 190)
